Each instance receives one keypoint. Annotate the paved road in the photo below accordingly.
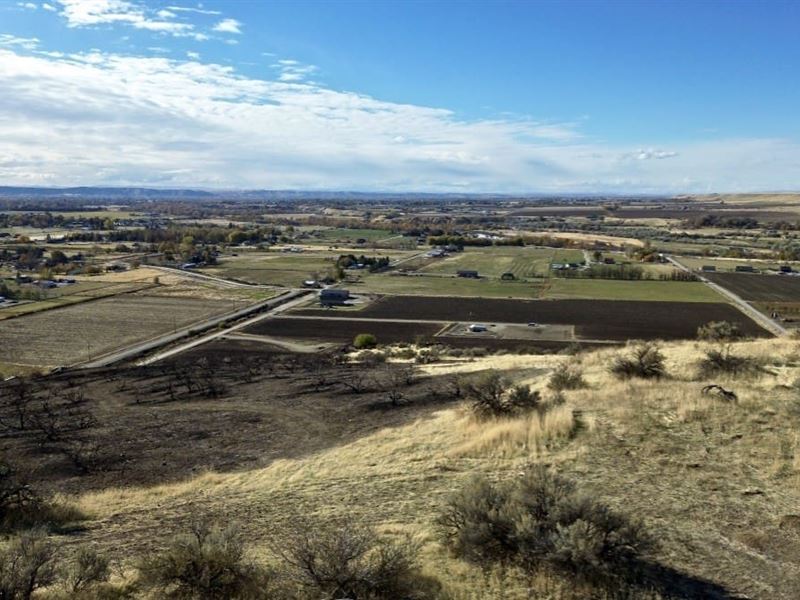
(214, 279)
(741, 304)
(286, 301)
(155, 343)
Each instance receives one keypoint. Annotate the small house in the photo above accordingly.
(745, 269)
(331, 297)
(469, 274)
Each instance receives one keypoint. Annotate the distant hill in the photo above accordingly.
(139, 193)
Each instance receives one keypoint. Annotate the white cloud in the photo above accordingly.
(28, 5)
(651, 154)
(12, 40)
(100, 118)
(228, 26)
(49, 7)
(293, 71)
(193, 55)
(89, 13)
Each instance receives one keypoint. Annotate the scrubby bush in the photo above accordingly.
(84, 572)
(724, 362)
(343, 559)
(365, 340)
(371, 357)
(492, 395)
(645, 360)
(27, 564)
(22, 507)
(720, 359)
(208, 563)
(568, 378)
(405, 353)
(539, 523)
(719, 331)
(429, 355)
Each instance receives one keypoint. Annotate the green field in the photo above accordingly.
(611, 289)
(556, 288)
(523, 262)
(285, 268)
(445, 286)
(347, 236)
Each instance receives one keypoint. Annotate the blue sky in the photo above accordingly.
(606, 97)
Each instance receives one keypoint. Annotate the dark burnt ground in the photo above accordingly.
(218, 408)
(594, 319)
(335, 330)
(759, 288)
(331, 330)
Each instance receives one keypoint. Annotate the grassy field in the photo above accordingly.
(553, 287)
(445, 286)
(82, 291)
(75, 333)
(523, 262)
(611, 289)
(284, 268)
(347, 236)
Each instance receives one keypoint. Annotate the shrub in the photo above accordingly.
(22, 507)
(569, 378)
(427, 356)
(540, 523)
(343, 559)
(86, 571)
(207, 563)
(494, 396)
(405, 353)
(645, 361)
(723, 361)
(719, 331)
(371, 357)
(27, 564)
(365, 340)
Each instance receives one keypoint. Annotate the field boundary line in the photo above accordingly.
(759, 317)
(154, 343)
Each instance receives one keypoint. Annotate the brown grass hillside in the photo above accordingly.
(716, 482)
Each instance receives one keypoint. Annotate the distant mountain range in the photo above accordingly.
(142, 193)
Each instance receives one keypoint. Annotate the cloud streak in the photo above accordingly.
(99, 118)
(92, 13)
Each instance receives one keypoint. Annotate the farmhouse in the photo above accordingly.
(469, 274)
(330, 297)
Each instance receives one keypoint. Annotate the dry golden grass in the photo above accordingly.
(714, 481)
(531, 436)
